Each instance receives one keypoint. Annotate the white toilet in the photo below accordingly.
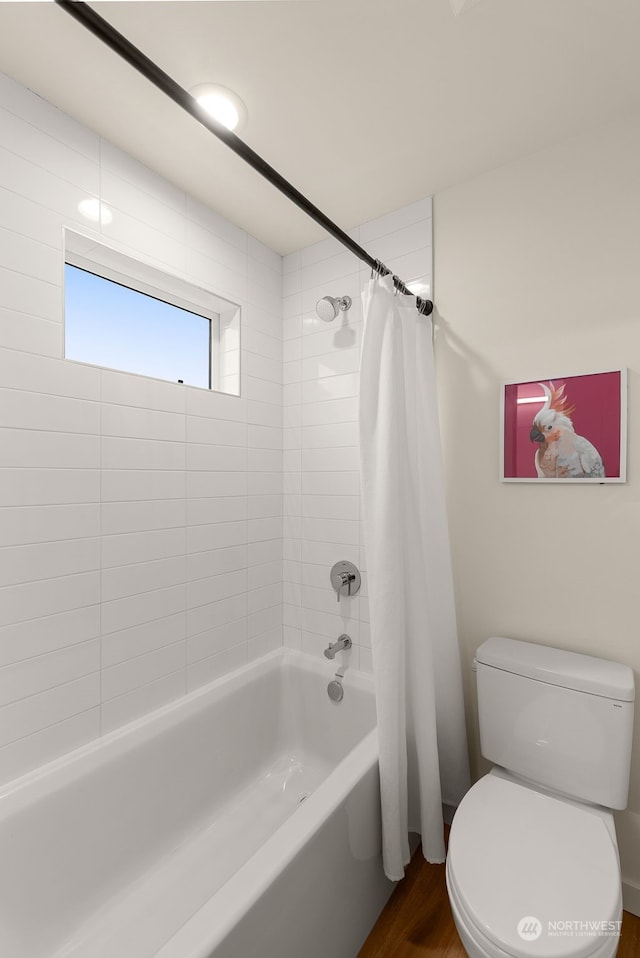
(532, 866)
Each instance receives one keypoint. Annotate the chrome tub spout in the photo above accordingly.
(343, 643)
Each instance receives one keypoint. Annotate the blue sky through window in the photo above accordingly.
(111, 325)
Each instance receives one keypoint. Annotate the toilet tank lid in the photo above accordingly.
(570, 670)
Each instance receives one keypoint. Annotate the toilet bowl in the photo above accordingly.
(532, 866)
(533, 875)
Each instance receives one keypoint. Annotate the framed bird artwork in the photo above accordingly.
(565, 429)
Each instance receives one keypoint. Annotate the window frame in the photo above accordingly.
(108, 263)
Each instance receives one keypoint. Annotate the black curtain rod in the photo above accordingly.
(109, 35)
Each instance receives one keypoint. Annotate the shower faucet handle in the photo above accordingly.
(345, 578)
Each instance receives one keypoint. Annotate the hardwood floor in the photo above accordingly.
(417, 921)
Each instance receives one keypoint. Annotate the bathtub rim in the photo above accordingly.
(205, 929)
(209, 924)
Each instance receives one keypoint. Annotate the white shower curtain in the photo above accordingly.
(421, 729)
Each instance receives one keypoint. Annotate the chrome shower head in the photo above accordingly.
(328, 307)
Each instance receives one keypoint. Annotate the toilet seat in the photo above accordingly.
(477, 945)
(516, 852)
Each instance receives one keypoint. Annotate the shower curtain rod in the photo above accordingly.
(112, 38)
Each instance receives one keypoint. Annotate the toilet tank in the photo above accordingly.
(560, 719)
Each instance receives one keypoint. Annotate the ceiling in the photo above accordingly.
(363, 105)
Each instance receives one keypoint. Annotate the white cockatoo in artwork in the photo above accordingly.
(561, 452)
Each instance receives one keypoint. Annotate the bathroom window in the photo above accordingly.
(122, 314)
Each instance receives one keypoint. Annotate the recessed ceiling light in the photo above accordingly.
(222, 104)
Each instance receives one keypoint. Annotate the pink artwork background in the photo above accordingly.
(597, 417)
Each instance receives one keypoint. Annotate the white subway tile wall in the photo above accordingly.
(146, 527)
(323, 521)
(141, 522)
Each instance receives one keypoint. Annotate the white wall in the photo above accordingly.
(140, 521)
(536, 274)
(321, 381)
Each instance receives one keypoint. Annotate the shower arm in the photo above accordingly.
(97, 25)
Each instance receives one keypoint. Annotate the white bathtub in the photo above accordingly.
(240, 821)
